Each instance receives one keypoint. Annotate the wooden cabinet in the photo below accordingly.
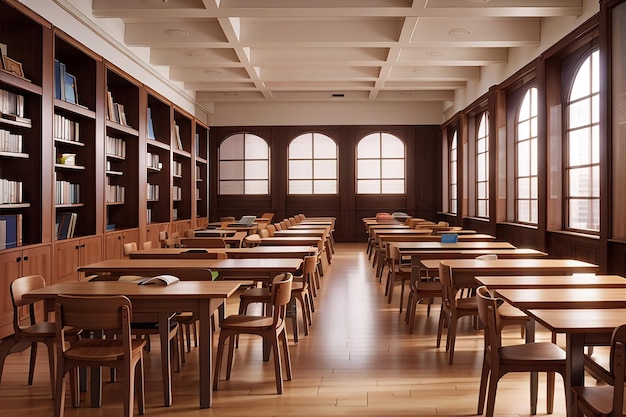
(158, 161)
(114, 242)
(122, 152)
(70, 254)
(34, 260)
(77, 139)
(200, 177)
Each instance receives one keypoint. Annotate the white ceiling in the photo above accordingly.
(325, 50)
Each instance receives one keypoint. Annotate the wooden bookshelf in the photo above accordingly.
(201, 173)
(158, 161)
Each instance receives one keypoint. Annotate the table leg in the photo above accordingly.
(206, 351)
(534, 376)
(166, 365)
(574, 367)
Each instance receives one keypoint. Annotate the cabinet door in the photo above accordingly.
(9, 270)
(152, 234)
(114, 245)
(90, 252)
(38, 261)
(66, 257)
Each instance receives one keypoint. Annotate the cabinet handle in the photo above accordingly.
(82, 246)
(18, 259)
(25, 258)
(76, 247)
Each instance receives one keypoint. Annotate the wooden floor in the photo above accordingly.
(359, 360)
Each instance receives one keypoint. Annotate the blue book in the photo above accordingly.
(13, 231)
(150, 125)
(449, 238)
(58, 84)
(70, 88)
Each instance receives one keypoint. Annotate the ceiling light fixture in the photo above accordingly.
(459, 32)
(435, 53)
(178, 33)
(421, 71)
(212, 72)
(196, 52)
(154, 2)
(338, 95)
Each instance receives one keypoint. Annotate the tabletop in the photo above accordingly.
(552, 281)
(291, 240)
(437, 245)
(169, 253)
(272, 252)
(565, 298)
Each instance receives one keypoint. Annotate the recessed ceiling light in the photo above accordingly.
(232, 93)
(212, 72)
(178, 33)
(435, 53)
(406, 93)
(196, 52)
(155, 2)
(459, 32)
(338, 95)
(421, 70)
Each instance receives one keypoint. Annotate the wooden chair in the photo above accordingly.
(202, 242)
(270, 229)
(605, 400)
(129, 247)
(300, 290)
(398, 272)
(144, 330)
(452, 309)
(111, 314)
(271, 329)
(263, 233)
(419, 290)
(27, 330)
(147, 245)
(269, 216)
(500, 360)
(252, 240)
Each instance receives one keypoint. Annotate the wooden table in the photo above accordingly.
(552, 281)
(405, 247)
(291, 241)
(196, 269)
(464, 271)
(272, 252)
(214, 232)
(158, 303)
(586, 320)
(178, 253)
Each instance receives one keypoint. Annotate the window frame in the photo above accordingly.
(531, 156)
(312, 160)
(482, 116)
(381, 160)
(243, 179)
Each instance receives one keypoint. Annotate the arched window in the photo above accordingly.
(582, 148)
(482, 167)
(380, 165)
(453, 175)
(244, 165)
(313, 165)
(526, 174)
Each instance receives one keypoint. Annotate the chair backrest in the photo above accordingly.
(394, 255)
(278, 226)
(448, 292)
(283, 225)
(109, 313)
(18, 288)
(130, 247)
(269, 216)
(229, 219)
(147, 244)
(490, 317)
(189, 233)
(618, 366)
(203, 242)
(487, 257)
(270, 229)
(280, 297)
(264, 233)
(442, 223)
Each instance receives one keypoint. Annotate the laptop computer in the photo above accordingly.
(245, 221)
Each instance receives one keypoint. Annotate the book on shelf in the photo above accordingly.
(11, 192)
(150, 125)
(10, 142)
(65, 86)
(159, 280)
(179, 142)
(65, 225)
(59, 73)
(12, 231)
(69, 85)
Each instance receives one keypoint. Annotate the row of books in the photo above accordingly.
(177, 192)
(65, 225)
(12, 107)
(67, 193)
(64, 84)
(115, 111)
(152, 191)
(10, 231)
(115, 147)
(152, 161)
(175, 214)
(115, 193)
(149, 215)
(198, 173)
(10, 191)
(179, 142)
(66, 129)
(178, 169)
(10, 142)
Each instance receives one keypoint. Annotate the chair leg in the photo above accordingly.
(31, 366)
(51, 356)
(484, 378)
(218, 361)
(451, 339)
(278, 367)
(139, 386)
(286, 355)
(491, 395)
